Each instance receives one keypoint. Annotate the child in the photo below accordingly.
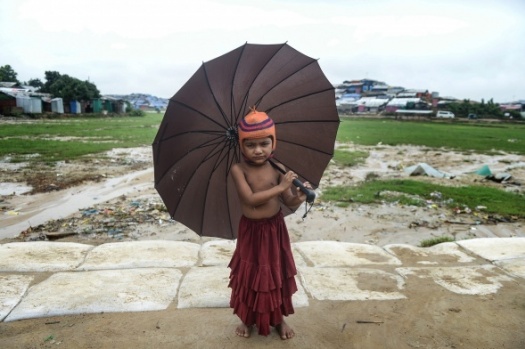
(262, 266)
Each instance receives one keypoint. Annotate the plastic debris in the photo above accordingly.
(425, 169)
(116, 219)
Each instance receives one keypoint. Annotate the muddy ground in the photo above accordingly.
(140, 214)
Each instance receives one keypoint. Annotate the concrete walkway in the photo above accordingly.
(43, 279)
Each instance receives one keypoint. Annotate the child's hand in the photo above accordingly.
(300, 194)
(288, 180)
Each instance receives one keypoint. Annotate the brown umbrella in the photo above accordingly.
(196, 143)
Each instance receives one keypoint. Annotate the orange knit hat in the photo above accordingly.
(257, 124)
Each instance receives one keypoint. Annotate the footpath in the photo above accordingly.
(46, 279)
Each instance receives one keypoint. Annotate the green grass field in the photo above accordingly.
(483, 138)
(67, 139)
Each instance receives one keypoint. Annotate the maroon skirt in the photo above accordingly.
(262, 273)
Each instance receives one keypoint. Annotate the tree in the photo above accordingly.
(7, 74)
(69, 88)
(92, 90)
(484, 109)
(36, 83)
(51, 78)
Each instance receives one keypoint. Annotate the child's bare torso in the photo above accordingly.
(261, 178)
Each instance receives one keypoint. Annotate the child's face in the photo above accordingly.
(257, 150)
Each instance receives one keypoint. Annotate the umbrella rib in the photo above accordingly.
(222, 154)
(289, 168)
(285, 78)
(199, 112)
(232, 157)
(307, 121)
(206, 158)
(298, 98)
(245, 99)
(213, 152)
(306, 147)
(223, 114)
(215, 141)
(224, 157)
(232, 99)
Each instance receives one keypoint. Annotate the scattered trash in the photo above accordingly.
(484, 171)
(369, 322)
(496, 177)
(436, 195)
(59, 235)
(115, 219)
(425, 224)
(425, 169)
(499, 177)
(463, 209)
(89, 212)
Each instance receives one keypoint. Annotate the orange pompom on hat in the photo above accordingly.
(257, 124)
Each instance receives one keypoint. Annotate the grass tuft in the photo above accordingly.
(436, 241)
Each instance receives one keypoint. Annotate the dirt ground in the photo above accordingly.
(430, 317)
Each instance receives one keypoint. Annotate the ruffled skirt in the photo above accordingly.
(262, 273)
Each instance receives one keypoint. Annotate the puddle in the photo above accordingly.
(14, 189)
(61, 204)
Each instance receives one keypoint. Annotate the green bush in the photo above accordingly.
(137, 112)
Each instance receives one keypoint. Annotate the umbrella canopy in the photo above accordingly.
(197, 140)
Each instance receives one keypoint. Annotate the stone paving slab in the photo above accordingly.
(12, 288)
(217, 252)
(220, 252)
(143, 275)
(444, 253)
(469, 280)
(298, 257)
(205, 287)
(344, 284)
(515, 267)
(125, 290)
(494, 249)
(42, 256)
(142, 254)
(344, 254)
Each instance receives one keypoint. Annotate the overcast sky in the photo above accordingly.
(465, 49)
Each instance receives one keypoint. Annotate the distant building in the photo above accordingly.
(15, 99)
(406, 103)
(371, 104)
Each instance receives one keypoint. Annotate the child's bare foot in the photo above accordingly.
(285, 331)
(243, 331)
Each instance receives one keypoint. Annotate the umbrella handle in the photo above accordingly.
(310, 194)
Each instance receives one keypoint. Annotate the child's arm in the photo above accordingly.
(248, 197)
(291, 200)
